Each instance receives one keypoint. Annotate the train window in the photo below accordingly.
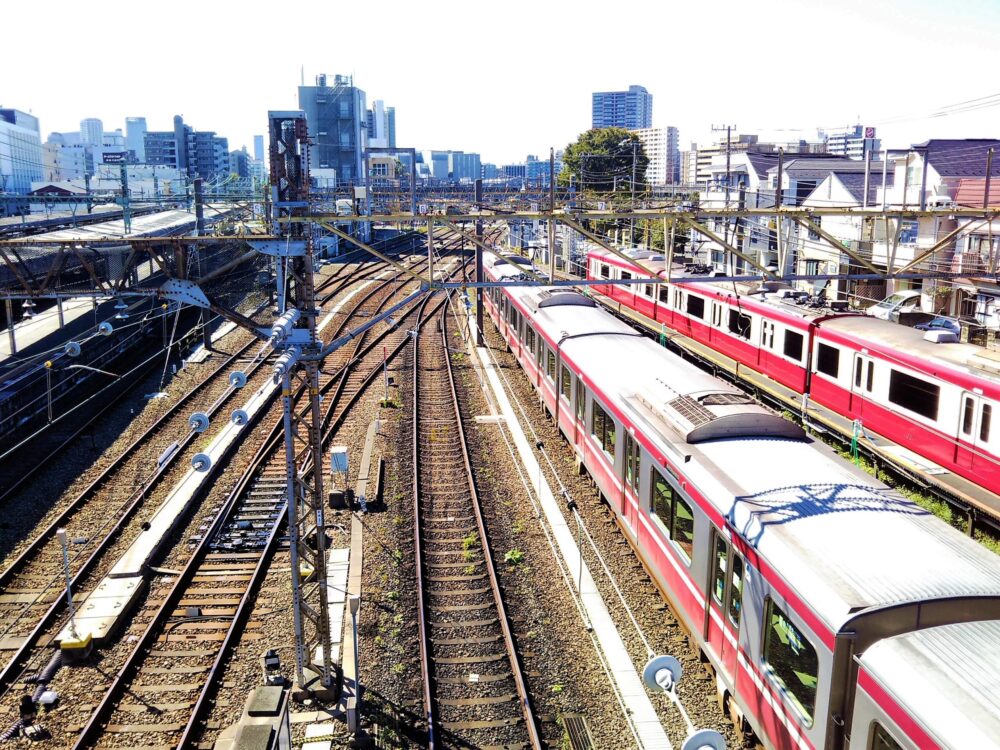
(968, 414)
(695, 307)
(605, 271)
(647, 289)
(541, 349)
(603, 428)
(870, 379)
(984, 422)
(858, 365)
(673, 514)
(566, 382)
(914, 394)
(739, 324)
(678, 299)
(736, 591)
(791, 660)
(793, 345)
(550, 365)
(581, 400)
(529, 338)
(767, 334)
(882, 740)
(633, 459)
(828, 360)
(721, 555)
(664, 294)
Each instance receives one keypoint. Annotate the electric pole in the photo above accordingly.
(479, 264)
(729, 146)
(552, 213)
(294, 333)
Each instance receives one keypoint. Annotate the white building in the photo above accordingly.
(92, 132)
(135, 137)
(20, 151)
(62, 160)
(661, 147)
(853, 142)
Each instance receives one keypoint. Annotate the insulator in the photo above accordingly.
(237, 379)
(282, 327)
(105, 328)
(201, 462)
(240, 417)
(705, 739)
(199, 421)
(72, 349)
(286, 362)
(662, 673)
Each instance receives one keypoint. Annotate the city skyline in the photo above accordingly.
(444, 105)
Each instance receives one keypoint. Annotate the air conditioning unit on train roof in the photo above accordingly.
(702, 416)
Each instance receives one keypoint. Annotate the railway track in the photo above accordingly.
(61, 436)
(31, 601)
(475, 694)
(177, 661)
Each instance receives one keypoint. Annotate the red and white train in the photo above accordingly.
(834, 612)
(934, 399)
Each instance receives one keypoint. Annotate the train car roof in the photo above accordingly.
(947, 679)
(842, 540)
(891, 337)
(768, 295)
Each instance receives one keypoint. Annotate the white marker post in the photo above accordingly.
(61, 535)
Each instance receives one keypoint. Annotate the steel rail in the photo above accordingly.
(12, 669)
(272, 443)
(531, 724)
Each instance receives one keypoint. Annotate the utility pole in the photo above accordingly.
(479, 265)
(729, 130)
(295, 334)
(126, 208)
(552, 214)
(631, 221)
(986, 187)
(199, 206)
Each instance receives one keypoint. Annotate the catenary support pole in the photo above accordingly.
(479, 266)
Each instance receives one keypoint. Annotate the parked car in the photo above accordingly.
(941, 323)
(894, 304)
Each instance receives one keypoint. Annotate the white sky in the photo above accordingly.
(511, 78)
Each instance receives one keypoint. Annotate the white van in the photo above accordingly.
(891, 306)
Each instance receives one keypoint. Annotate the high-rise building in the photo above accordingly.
(632, 109)
(239, 163)
(853, 142)
(337, 120)
(258, 148)
(20, 151)
(465, 167)
(92, 132)
(65, 158)
(378, 125)
(195, 153)
(663, 152)
(390, 128)
(135, 138)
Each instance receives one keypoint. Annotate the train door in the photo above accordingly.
(862, 382)
(631, 469)
(724, 608)
(716, 321)
(974, 427)
(580, 421)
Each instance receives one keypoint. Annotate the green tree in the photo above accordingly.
(602, 159)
